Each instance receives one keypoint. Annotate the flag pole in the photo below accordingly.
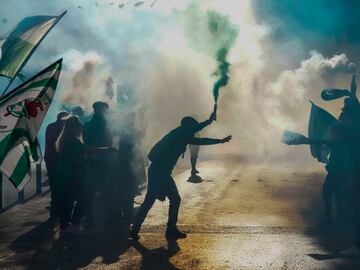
(31, 53)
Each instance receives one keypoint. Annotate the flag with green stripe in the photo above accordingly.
(21, 114)
(22, 42)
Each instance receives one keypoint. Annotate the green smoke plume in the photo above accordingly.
(224, 34)
(212, 33)
(222, 72)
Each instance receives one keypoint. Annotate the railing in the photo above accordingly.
(9, 196)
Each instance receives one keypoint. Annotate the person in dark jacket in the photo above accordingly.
(69, 186)
(96, 131)
(96, 134)
(68, 182)
(163, 157)
(52, 133)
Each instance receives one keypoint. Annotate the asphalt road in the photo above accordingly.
(244, 215)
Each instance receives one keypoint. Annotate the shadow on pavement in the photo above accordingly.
(158, 258)
(43, 248)
(332, 238)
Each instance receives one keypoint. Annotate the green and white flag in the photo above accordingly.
(22, 42)
(21, 114)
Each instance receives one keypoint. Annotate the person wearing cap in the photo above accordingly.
(96, 133)
(52, 133)
(163, 157)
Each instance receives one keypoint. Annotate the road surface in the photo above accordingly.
(244, 215)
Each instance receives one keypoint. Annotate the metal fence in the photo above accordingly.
(10, 196)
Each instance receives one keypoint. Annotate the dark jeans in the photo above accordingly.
(354, 195)
(98, 178)
(168, 187)
(51, 169)
(334, 187)
(71, 208)
(95, 179)
(118, 198)
(89, 200)
(127, 206)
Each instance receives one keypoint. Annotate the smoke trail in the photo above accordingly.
(222, 72)
(224, 34)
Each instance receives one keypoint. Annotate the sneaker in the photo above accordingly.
(351, 252)
(174, 233)
(134, 235)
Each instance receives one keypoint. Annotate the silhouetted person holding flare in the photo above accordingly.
(163, 157)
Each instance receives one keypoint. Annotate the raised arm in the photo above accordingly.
(293, 138)
(204, 124)
(209, 141)
(327, 143)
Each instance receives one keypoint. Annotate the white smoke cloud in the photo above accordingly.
(255, 108)
(150, 50)
(74, 59)
(286, 94)
(261, 108)
(84, 76)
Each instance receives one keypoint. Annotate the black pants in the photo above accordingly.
(168, 187)
(127, 206)
(127, 185)
(71, 208)
(118, 199)
(354, 195)
(98, 178)
(51, 168)
(334, 187)
(95, 178)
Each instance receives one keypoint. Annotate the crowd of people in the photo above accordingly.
(83, 164)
